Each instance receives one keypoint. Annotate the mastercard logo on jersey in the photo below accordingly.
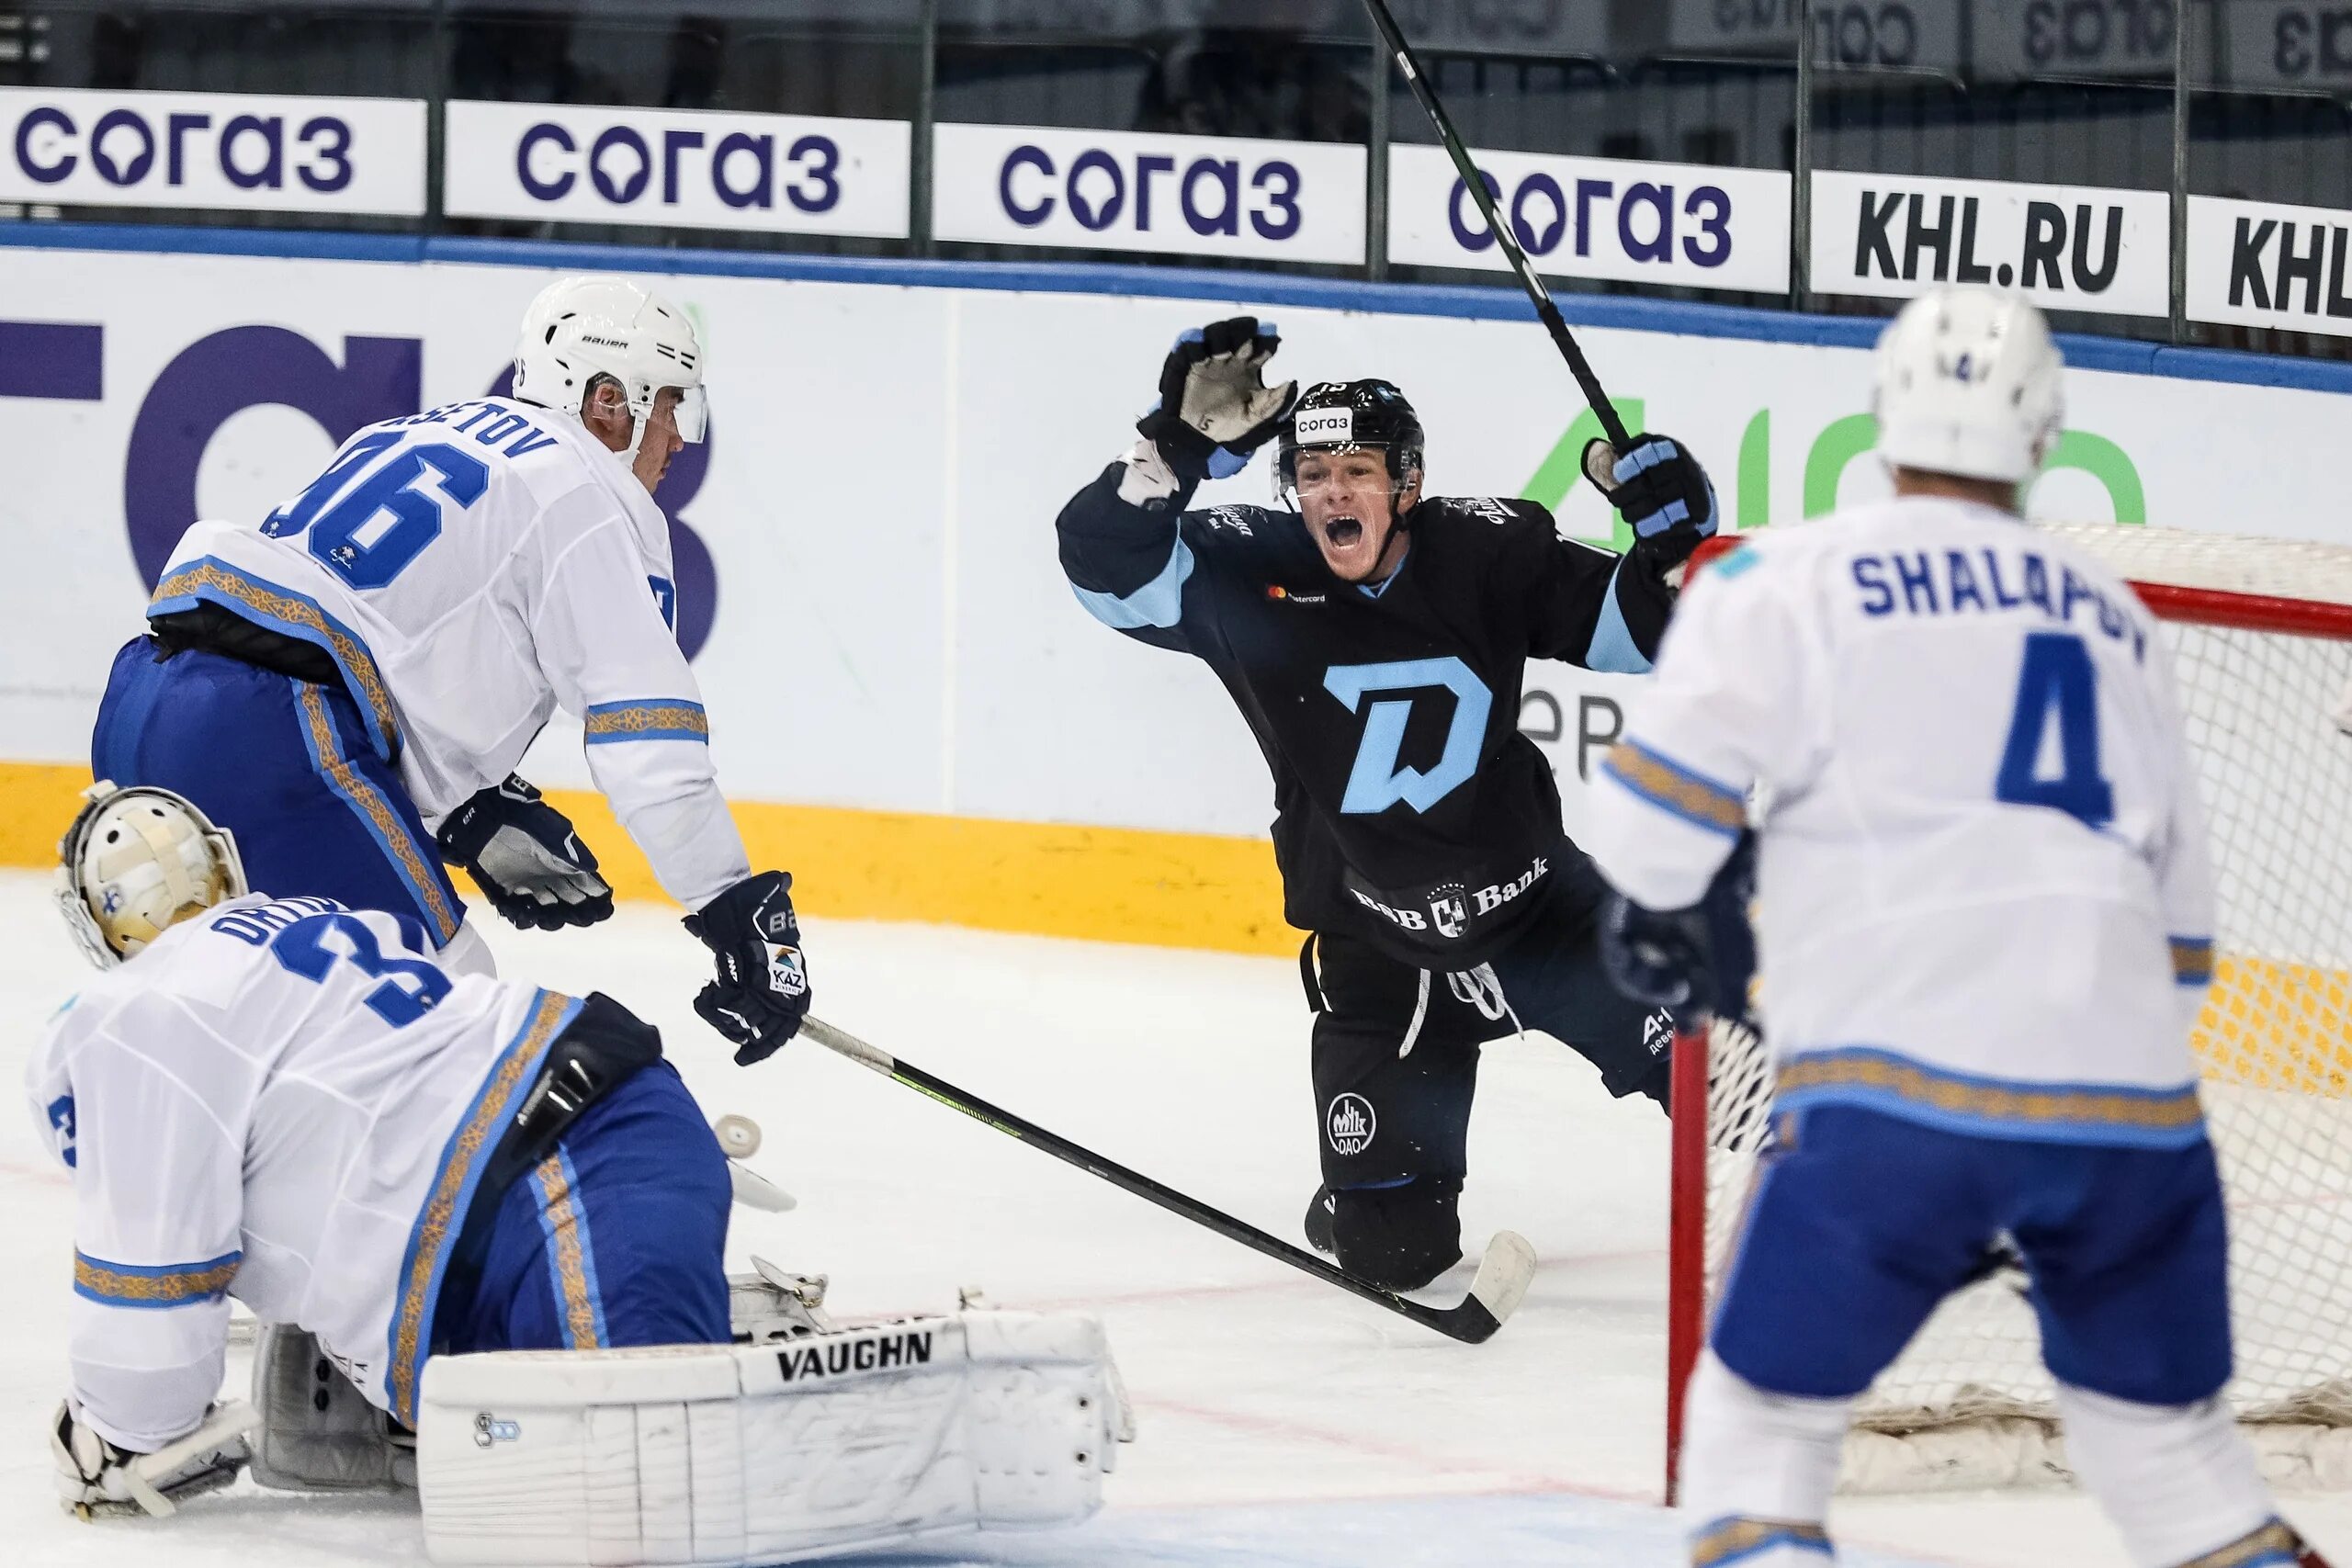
(1276, 591)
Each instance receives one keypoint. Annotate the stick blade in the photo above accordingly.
(1505, 1272)
(1504, 1275)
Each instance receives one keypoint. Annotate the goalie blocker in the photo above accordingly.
(715, 1455)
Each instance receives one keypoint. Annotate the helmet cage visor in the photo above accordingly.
(1400, 476)
(692, 414)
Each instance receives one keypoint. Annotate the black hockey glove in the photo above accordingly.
(761, 992)
(1700, 959)
(1214, 407)
(1658, 956)
(1659, 488)
(526, 858)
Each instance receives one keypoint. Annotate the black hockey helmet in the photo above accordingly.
(1348, 416)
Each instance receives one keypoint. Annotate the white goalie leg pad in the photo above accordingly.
(2179, 1481)
(318, 1431)
(1757, 1469)
(713, 1456)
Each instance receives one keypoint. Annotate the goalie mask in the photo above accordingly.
(136, 861)
(581, 328)
(1351, 416)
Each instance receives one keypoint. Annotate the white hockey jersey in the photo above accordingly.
(1985, 900)
(283, 1101)
(470, 568)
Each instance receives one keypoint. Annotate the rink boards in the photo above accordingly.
(865, 566)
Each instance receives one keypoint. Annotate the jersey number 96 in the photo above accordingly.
(345, 535)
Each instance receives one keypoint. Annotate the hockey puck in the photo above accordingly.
(738, 1136)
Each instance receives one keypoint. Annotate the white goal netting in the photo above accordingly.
(1968, 1404)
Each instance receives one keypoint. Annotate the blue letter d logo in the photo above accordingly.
(1377, 782)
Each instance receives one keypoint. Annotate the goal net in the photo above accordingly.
(2261, 635)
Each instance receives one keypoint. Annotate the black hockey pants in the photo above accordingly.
(1395, 1066)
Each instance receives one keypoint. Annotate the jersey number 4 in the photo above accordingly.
(348, 537)
(312, 946)
(2057, 687)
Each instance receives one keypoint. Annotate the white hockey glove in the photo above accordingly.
(96, 1479)
(1214, 407)
(526, 858)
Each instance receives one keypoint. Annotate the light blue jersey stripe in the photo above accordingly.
(1158, 603)
(1614, 650)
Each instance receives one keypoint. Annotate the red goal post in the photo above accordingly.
(2260, 631)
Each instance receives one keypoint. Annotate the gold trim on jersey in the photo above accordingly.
(1677, 789)
(675, 719)
(2192, 960)
(356, 787)
(1728, 1541)
(2273, 1542)
(123, 1284)
(212, 579)
(438, 1222)
(2034, 1105)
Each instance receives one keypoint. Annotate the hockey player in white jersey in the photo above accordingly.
(1984, 925)
(348, 684)
(288, 1103)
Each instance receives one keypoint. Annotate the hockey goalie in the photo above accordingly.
(482, 1226)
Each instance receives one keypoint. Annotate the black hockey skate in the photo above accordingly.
(1320, 1209)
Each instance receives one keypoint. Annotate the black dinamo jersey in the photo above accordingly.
(1409, 810)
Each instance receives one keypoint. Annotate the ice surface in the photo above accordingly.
(1282, 1423)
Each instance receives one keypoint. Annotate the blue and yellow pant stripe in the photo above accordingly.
(572, 1253)
(671, 718)
(1676, 790)
(426, 1259)
(2192, 960)
(1731, 1541)
(154, 1286)
(2052, 1113)
(417, 865)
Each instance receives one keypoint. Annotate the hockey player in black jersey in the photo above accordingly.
(1375, 639)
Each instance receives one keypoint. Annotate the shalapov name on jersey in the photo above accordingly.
(1935, 582)
(908, 1349)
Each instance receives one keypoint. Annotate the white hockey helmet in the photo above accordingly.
(1968, 384)
(580, 328)
(136, 861)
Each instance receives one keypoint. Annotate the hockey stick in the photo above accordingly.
(1504, 1273)
(1549, 314)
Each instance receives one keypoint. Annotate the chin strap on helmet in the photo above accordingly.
(580, 331)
